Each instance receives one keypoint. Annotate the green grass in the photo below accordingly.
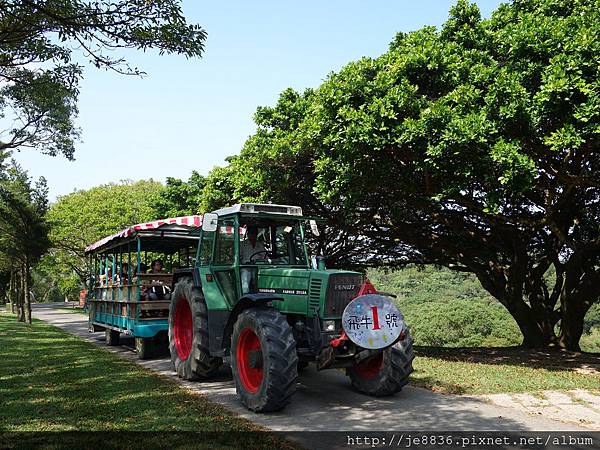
(53, 381)
(503, 370)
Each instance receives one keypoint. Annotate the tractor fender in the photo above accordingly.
(245, 302)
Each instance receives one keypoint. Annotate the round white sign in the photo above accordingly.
(372, 321)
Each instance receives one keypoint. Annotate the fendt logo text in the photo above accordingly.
(344, 287)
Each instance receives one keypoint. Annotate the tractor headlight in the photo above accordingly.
(329, 325)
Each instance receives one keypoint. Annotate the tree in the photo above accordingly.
(272, 167)
(85, 216)
(477, 146)
(23, 232)
(179, 198)
(39, 82)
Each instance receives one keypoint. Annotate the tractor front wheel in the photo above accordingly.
(386, 373)
(263, 359)
(188, 333)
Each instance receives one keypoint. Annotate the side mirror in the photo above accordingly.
(313, 227)
(318, 262)
(209, 222)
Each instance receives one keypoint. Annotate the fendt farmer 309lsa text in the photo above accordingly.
(255, 297)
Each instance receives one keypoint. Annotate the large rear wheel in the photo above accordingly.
(386, 373)
(263, 359)
(188, 333)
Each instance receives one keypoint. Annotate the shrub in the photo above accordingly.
(448, 309)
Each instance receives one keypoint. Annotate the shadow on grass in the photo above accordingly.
(51, 381)
(138, 440)
(550, 359)
(58, 382)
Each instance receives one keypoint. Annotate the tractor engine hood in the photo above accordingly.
(283, 281)
(325, 292)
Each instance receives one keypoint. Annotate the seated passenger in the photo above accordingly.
(124, 275)
(158, 290)
(105, 279)
(143, 269)
(156, 266)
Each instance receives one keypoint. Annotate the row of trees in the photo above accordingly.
(23, 233)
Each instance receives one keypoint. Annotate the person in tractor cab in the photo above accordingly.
(250, 247)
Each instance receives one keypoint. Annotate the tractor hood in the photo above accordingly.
(327, 291)
(284, 281)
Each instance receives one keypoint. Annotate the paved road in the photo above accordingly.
(325, 402)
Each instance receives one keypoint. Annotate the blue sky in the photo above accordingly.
(190, 114)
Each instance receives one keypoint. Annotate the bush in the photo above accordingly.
(461, 323)
(448, 309)
(590, 341)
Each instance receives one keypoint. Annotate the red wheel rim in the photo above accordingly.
(370, 368)
(250, 377)
(183, 329)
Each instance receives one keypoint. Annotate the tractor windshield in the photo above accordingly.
(271, 243)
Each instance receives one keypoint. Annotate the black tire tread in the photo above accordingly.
(394, 374)
(199, 365)
(281, 373)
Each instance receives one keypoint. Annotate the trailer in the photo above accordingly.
(124, 296)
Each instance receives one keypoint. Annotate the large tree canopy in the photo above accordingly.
(473, 147)
(273, 167)
(38, 78)
(478, 146)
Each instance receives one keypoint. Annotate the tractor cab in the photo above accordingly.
(239, 243)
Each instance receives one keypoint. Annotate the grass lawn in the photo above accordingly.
(508, 369)
(53, 381)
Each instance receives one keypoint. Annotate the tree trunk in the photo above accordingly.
(533, 327)
(534, 322)
(580, 290)
(571, 328)
(21, 297)
(11, 292)
(27, 295)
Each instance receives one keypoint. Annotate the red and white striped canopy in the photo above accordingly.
(190, 221)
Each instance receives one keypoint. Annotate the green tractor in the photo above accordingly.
(256, 297)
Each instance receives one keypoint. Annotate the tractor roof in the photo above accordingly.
(260, 208)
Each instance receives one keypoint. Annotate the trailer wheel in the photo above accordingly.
(263, 359)
(144, 347)
(386, 373)
(188, 333)
(112, 337)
